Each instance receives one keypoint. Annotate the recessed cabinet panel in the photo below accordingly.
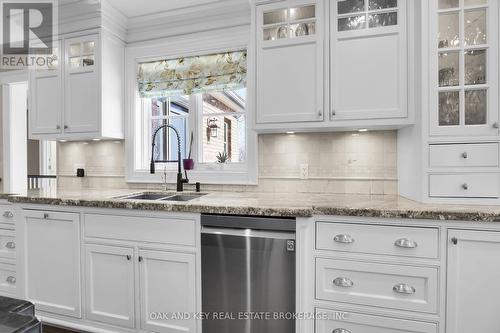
(377, 78)
(52, 256)
(167, 285)
(464, 185)
(289, 85)
(472, 288)
(110, 284)
(46, 105)
(464, 155)
(82, 113)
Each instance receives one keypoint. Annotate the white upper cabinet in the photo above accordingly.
(368, 51)
(289, 40)
(464, 68)
(336, 63)
(82, 97)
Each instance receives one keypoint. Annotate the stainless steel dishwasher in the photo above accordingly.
(248, 274)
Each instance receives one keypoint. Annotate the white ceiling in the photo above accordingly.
(134, 8)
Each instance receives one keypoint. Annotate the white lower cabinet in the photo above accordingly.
(110, 284)
(348, 322)
(473, 289)
(52, 261)
(167, 285)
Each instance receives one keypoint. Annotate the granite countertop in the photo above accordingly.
(270, 204)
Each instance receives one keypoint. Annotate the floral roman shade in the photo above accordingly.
(191, 75)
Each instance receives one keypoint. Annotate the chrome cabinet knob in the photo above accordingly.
(11, 280)
(8, 215)
(403, 288)
(320, 114)
(334, 112)
(140, 258)
(465, 155)
(45, 216)
(66, 126)
(341, 330)
(465, 186)
(454, 240)
(405, 243)
(10, 245)
(129, 257)
(496, 124)
(58, 127)
(345, 239)
(343, 282)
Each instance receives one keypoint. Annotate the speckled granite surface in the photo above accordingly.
(272, 204)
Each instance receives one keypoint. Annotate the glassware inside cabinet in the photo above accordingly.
(302, 13)
(88, 61)
(75, 62)
(475, 67)
(382, 20)
(88, 47)
(449, 30)
(75, 49)
(447, 4)
(475, 27)
(382, 4)
(449, 73)
(475, 107)
(276, 16)
(449, 108)
(352, 23)
(274, 33)
(350, 6)
(303, 29)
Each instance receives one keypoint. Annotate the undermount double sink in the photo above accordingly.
(165, 196)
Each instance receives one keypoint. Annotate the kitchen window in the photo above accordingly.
(205, 99)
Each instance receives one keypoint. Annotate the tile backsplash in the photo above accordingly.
(362, 163)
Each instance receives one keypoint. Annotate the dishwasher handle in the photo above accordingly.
(248, 233)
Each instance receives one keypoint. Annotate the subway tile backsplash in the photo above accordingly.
(363, 163)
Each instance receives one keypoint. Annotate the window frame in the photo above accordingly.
(136, 142)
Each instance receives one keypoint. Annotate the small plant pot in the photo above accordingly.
(188, 163)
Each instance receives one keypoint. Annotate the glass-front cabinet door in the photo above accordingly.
(368, 59)
(290, 71)
(464, 68)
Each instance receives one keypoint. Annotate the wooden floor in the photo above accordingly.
(50, 329)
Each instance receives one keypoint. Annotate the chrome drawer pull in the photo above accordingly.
(11, 280)
(8, 215)
(465, 155)
(403, 288)
(10, 245)
(341, 330)
(405, 243)
(345, 239)
(343, 282)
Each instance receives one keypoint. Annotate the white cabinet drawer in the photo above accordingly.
(349, 322)
(380, 285)
(378, 239)
(6, 214)
(176, 231)
(7, 244)
(8, 279)
(466, 185)
(464, 155)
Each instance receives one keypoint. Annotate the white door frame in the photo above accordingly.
(9, 81)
